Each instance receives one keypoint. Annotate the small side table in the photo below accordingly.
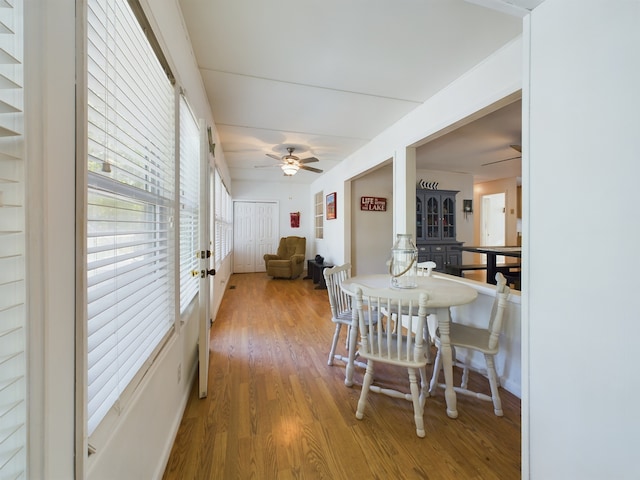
(314, 272)
(309, 270)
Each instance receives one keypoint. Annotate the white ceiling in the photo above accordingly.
(327, 76)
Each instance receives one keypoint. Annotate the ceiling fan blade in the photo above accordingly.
(311, 169)
(500, 161)
(275, 157)
(308, 160)
(266, 166)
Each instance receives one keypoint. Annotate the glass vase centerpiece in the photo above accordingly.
(403, 266)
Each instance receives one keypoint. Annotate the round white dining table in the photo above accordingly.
(443, 293)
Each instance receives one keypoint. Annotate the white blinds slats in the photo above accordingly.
(13, 416)
(130, 204)
(189, 204)
(223, 220)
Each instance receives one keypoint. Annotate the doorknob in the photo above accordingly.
(203, 273)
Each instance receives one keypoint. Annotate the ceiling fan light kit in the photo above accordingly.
(289, 169)
(290, 164)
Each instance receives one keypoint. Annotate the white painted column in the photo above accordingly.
(404, 191)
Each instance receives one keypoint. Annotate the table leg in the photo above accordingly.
(491, 268)
(444, 320)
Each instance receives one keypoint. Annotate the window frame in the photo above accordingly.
(153, 179)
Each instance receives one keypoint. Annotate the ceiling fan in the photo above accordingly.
(290, 164)
(517, 148)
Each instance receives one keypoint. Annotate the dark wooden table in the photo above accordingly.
(492, 253)
(314, 272)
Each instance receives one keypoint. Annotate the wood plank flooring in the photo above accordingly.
(276, 410)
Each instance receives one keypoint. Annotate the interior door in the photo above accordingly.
(207, 257)
(266, 232)
(244, 237)
(494, 221)
(255, 232)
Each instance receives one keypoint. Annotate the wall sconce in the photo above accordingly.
(467, 207)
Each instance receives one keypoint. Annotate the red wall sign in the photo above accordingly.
(375, 204)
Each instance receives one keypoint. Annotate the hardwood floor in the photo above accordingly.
(276, 410)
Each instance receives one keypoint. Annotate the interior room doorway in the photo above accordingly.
(493, 221)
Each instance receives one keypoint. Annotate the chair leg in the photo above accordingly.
(465, 376)
(346, 341)
(493, 383)
(366, 383)
(418, 409)
(424, 387)
(437, 366)
(334, 343)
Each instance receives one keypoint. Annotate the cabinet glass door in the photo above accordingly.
(448, 218)
(419, 219)
(433, 218)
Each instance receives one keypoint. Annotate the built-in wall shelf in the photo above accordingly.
(9, 232)
(7, 257)
(7, 180)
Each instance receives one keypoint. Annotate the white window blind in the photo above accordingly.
(13, 416)
(223, 220)
(130, 204)
(189, 201)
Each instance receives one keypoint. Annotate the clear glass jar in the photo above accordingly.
(403, 266)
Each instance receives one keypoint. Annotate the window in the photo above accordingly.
(13, 416)
(189, 201)
(223, 220)
(319, 214)
(130, 203)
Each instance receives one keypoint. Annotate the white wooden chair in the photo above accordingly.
(404, 349)
(342, 314)
(425, 268)
(483, 340)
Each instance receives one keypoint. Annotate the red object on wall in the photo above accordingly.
(295, 219)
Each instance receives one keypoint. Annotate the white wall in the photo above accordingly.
(499, 76)
(291, 197)
(580, 418)
(371, 231)
(50, 138)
